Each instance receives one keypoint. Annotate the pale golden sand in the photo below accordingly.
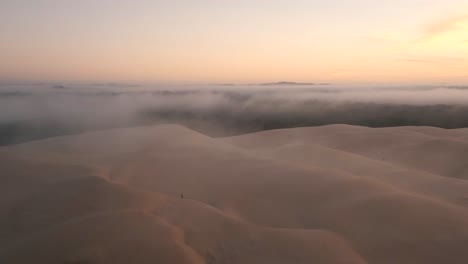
(332, 194)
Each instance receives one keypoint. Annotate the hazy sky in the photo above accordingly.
(390, 41)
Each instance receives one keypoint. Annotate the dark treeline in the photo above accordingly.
(361, 114)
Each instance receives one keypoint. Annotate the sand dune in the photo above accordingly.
(425, 149)
(332, 194)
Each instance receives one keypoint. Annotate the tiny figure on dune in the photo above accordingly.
(181, 196)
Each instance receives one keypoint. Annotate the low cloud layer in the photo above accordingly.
(37, 111)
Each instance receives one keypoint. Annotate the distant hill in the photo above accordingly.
(286, 83)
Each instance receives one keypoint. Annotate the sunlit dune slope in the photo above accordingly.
(85, 219)
(434, 150)
(333, 194)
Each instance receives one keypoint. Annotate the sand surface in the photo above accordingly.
(333, 194)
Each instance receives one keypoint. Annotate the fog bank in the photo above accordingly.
(35, 111)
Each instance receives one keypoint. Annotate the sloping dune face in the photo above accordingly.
(165, 194)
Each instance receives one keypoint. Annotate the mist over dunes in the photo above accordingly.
(243, 174)
(30, 112)
(233, 132)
